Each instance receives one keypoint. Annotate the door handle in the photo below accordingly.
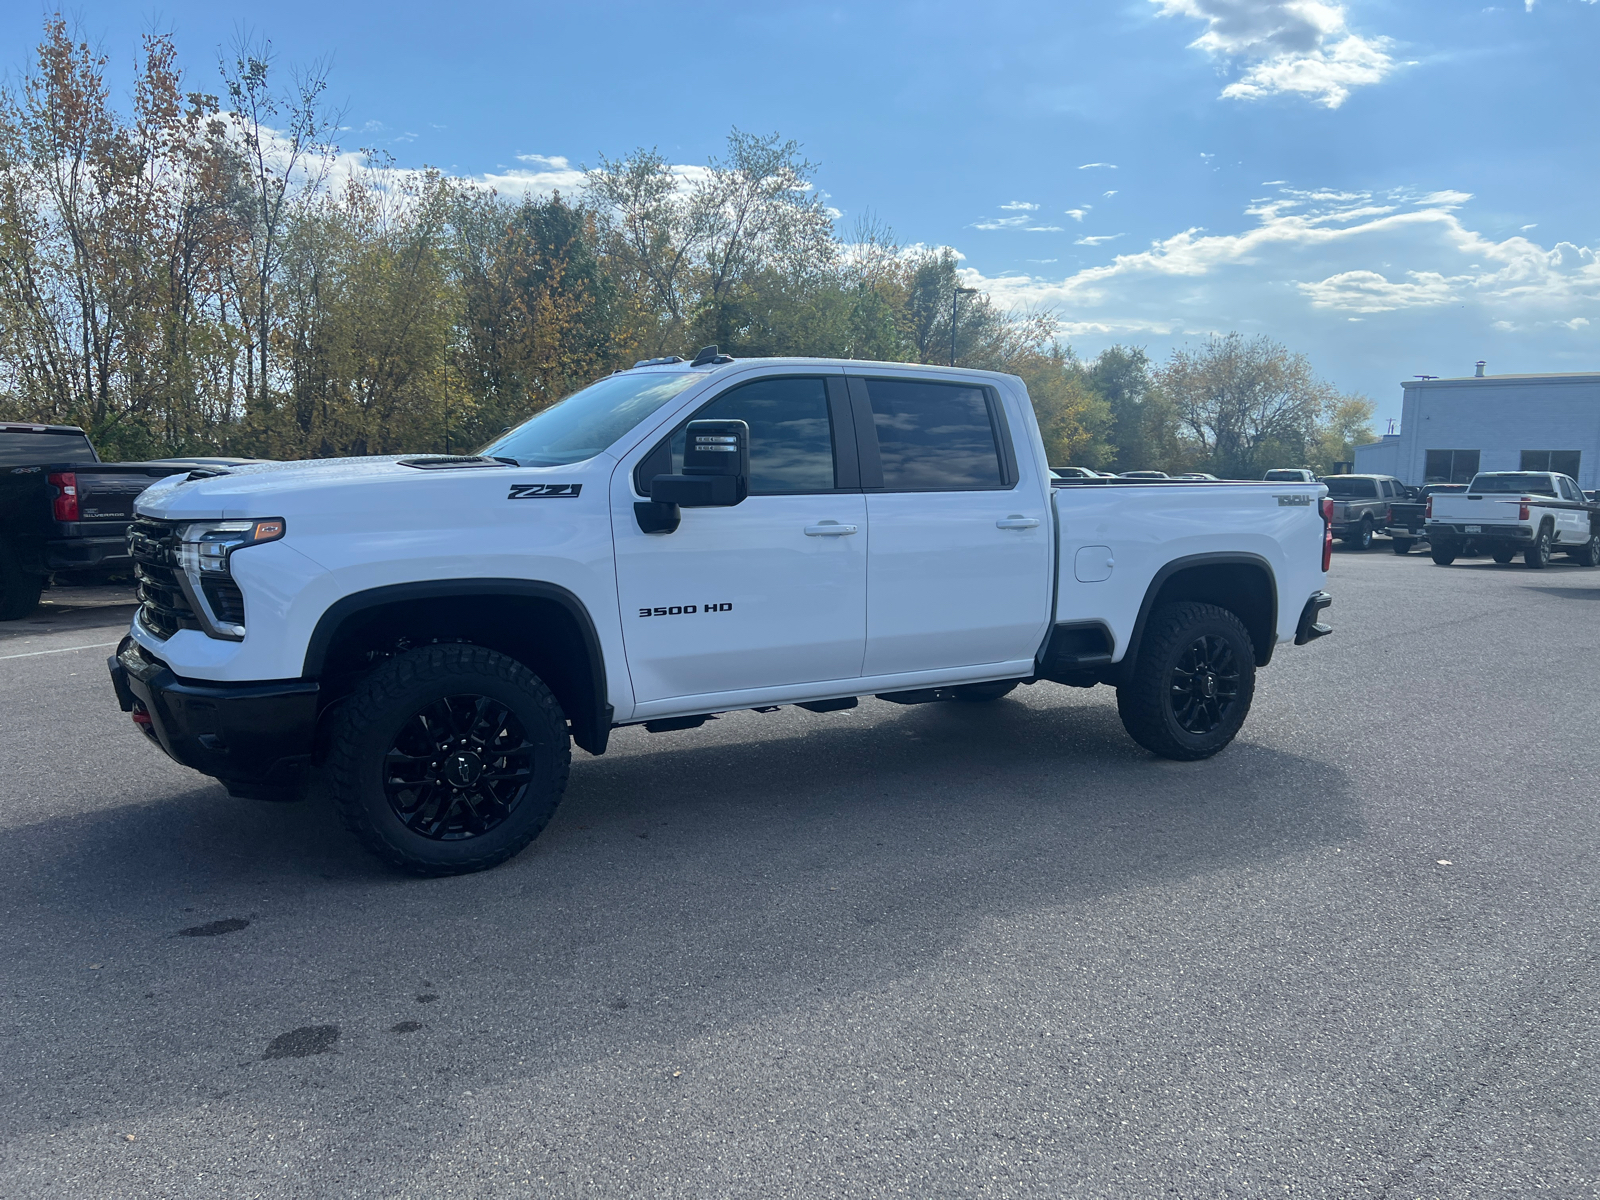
(1017, 521)
(829, 529)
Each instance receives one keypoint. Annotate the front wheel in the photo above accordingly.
(1192, 683)
(449, 758)
(1537, 555)
(1588, 554)
(1402, 545)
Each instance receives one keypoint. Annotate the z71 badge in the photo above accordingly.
(543, 491)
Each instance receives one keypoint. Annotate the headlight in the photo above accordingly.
(204, 555)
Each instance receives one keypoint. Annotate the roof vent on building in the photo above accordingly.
(1481, 366)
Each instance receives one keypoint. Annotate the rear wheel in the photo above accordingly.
(1402, 545)
(1503, 556)
(1537, 555)
(449, 759)
(1362, 538)
(19, 590)
(1443, 555)
(1192, 683)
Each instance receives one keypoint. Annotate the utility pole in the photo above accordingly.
(954, 296)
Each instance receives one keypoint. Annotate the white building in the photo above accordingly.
(1450, 429)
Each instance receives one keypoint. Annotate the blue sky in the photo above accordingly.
(1392, 189)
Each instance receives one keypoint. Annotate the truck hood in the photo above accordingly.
(330, 486)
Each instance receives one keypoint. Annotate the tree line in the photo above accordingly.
(205, 273)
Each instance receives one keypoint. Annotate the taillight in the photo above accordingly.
(1327, 534)
(66, 501)
(1428, 511)
(1522, 512)
(1388, 515)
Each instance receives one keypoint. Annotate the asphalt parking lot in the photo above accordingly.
(947, 950)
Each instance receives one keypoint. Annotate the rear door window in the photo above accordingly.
(935, 436)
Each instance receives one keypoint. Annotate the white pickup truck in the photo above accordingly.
(672, 542)
(1536, 513)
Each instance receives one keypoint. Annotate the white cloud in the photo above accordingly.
(544, 175)
(1525, 228)
(1077, 214)
(1098, 239)
(1110, 194)
(1292, 47)
(1044, 229)
(1330, 250)
(1107, 166)
(1022, 205)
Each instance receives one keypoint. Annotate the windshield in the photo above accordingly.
(1350, 487)
(586, 422)
(1540, 485)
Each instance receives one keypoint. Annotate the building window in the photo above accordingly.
(1562, 462)
(1454, 466)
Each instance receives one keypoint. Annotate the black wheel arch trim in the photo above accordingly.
(1219, 558)
(591, 730)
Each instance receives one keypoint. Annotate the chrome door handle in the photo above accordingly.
(829, 529)
(1016, 521)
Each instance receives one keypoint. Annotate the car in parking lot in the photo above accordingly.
(1406, 518)
(1534, 513)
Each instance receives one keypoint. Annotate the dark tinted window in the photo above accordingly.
(37, 449)
(1534, 485)
(1450, 466)
(1348, 487)
(934, 435)
(791, 438)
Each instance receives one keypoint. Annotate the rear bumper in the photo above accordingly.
(68, 554)
(1485, 533)
(1403, 531)
(254, 736)
(1310, 629)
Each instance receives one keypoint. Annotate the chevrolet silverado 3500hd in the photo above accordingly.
(672, 542)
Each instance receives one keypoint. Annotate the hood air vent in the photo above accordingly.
(451, 462)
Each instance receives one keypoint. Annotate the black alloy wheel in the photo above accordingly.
(458, 768)
(1191, 686)
(1204, 684)
(1588, 555)
(448, 758)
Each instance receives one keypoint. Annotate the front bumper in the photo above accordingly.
(1310, 629)
(254, 737)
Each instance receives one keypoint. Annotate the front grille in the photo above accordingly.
(163, 607)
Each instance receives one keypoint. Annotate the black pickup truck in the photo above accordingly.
(1405, 518)
(64, 514)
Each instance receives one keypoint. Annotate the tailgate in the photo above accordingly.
(109, 496)
(1475, 510)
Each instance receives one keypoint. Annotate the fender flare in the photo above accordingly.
(591, 729)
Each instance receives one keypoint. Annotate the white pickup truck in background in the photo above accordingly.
(1510, 512)
(672, 542)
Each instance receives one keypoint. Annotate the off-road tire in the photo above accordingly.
(1537, 555)
(1503, 556)
(1402, 545)
(983, 693)
(1442, 556)
(1146, 701)
(383, 704)
(19, 590)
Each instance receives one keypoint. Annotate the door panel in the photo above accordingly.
(959, 561)
(765, 593)
(759, 602)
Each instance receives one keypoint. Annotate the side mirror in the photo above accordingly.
(716, 474)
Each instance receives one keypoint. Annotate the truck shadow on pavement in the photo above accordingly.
(756, 866)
